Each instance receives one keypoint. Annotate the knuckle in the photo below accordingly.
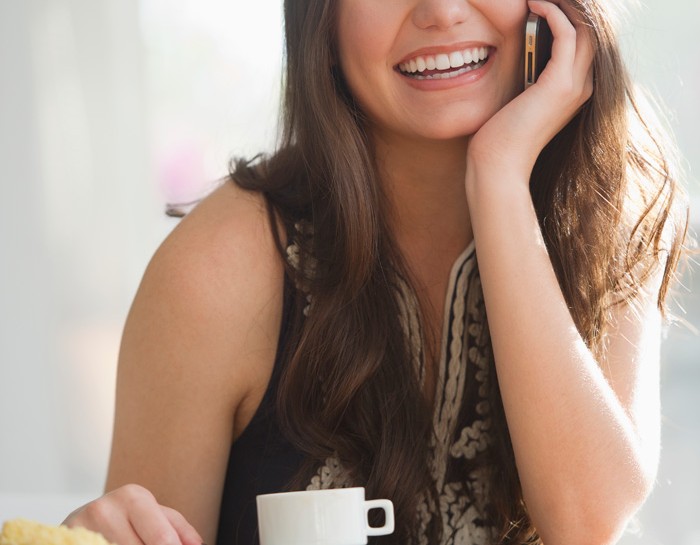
(98, 512)
(135, 493)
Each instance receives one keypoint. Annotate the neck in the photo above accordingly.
(424, 182)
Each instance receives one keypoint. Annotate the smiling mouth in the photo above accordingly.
(445, 65)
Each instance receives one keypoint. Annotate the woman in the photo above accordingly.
(323, 312)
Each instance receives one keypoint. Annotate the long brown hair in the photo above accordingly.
(349, 387)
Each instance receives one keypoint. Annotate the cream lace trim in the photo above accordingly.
(303, 230)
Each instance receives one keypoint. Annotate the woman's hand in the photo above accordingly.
(130, 515)
(514, 137)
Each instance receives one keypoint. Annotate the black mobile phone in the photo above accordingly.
(538, 47)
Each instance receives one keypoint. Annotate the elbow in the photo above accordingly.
(598, 517)
(593, 535)
(602, 531)
(604, 528)
(586, 529)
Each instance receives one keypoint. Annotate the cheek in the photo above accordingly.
(503, 13)
(359, 35)
(365, 39)
(367, 30)
(508, 18)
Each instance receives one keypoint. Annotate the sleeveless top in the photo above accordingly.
(262, 461)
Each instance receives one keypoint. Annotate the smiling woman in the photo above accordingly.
(431, 221)
(338, 292)
(448, 291)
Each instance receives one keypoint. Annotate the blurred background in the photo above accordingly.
(108, 110)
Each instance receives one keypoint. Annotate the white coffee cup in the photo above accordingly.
(320, 517)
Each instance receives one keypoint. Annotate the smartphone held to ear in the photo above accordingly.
(538, 47)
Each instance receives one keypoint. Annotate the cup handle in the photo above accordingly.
(388, 509)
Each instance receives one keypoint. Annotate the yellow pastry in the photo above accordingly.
(27, 532)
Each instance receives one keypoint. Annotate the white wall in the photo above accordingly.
(74, 172)
(107, 110)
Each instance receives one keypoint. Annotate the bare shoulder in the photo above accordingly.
(229, 229)
(216, 284)
(197, 353)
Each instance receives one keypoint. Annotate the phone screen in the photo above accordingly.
(538, 47)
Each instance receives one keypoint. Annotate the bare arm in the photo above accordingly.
(197, 352)
(584, 432)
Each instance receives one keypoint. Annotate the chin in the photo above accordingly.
(451, 129)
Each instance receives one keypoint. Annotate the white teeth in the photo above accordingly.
(456, 59)
(442, 62)
(447, 75)
(445, 61)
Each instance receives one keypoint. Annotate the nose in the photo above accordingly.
(440, 14)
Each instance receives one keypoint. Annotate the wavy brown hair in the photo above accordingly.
(349, 387)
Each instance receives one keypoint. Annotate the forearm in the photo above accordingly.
(576, 449)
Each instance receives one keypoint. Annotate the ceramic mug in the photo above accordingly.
(320, 517)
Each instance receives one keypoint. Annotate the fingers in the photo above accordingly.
(187, 533)
(131, 515)
(564, 33)
(570, 68)
(107, 518)
(150, 523)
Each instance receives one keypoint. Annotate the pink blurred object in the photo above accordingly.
(180, 171)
